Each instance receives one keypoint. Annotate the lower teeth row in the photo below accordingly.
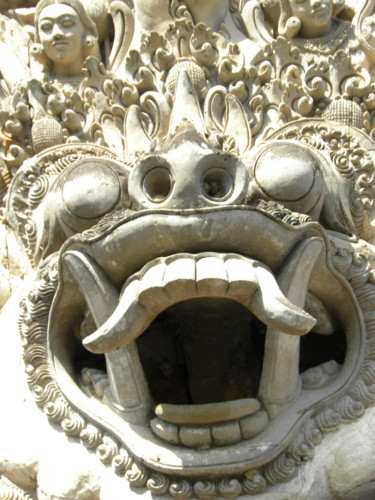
(214, 435)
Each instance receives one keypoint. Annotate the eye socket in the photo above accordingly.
(68, 24)
(157, 184)
(217, 183)
(46, 27)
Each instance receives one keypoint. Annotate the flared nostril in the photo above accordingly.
(217, 184)
(157, 184)
(191, 175)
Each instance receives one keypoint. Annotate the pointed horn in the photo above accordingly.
(136, 137)
(236, 123)
(186, 107)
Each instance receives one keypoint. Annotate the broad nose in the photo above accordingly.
(191, 175)
(57, 31)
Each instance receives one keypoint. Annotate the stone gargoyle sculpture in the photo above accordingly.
(188, 270)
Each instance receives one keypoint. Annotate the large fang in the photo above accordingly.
(147, 293)
(129, 391)
(280, 383)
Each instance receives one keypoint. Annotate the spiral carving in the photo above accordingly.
(312, 434)
(73, 425)
(230, 488)
(46, 394)
(299, 451)
(359, 273)
(38, 192)
(254, 485)
(91, 437)
(349, 409)
(342, 260)
(40, 377)
(107, 450)
(158, 484)
(205, 490)
(280, 470)
(363, 393)
(137, 475)
(57, 411)
(181, 490)
(327, 420)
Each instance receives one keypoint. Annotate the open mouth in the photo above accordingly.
(204, 348)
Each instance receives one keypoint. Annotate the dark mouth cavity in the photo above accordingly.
(208, 350)
(202, 351)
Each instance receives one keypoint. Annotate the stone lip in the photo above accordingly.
(123, 248)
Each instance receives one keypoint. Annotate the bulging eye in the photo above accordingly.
(291, 174)
(286, 173)
(91, 189)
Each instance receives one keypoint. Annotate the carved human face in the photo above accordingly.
(315, 16)
(61, 32)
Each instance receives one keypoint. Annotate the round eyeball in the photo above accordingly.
(91, 189)
(286, 172)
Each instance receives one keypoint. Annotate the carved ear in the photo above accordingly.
(136, 137)
(186, 108)
(236, 124)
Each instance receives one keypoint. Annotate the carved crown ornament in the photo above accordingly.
(193, 186)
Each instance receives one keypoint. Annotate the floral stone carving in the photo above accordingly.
(188, 217)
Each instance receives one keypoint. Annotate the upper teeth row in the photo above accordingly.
(168, 280)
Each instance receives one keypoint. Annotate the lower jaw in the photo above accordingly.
(249, 452)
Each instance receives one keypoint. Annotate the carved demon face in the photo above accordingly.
(201, 232)
(196, 311)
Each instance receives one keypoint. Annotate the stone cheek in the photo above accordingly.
(186, 260)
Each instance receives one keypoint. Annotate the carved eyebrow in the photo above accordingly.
(63, 17)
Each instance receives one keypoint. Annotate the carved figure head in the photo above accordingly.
(307, 18)
(65, 35)
(314, 15)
